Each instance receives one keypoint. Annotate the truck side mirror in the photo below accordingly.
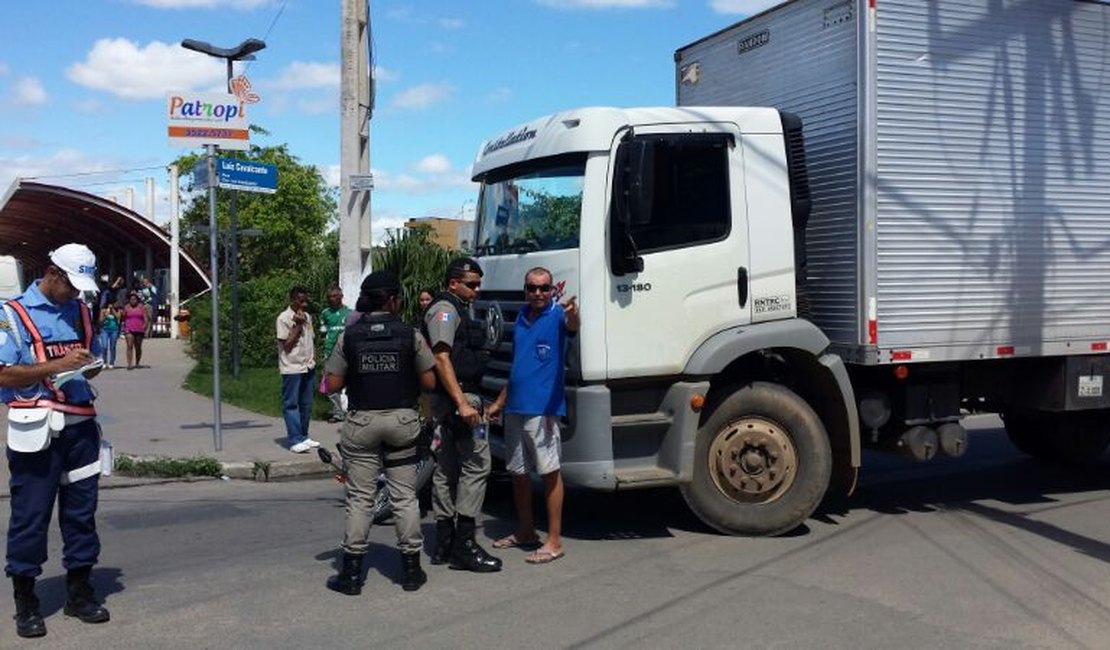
(636, 161)
(633, 187)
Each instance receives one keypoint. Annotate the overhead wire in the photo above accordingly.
(269, 29)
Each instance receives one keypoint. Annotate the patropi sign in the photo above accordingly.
(197, 119)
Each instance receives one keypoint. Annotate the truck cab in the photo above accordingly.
(676, 229)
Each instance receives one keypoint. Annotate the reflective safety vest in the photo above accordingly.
(48, 351)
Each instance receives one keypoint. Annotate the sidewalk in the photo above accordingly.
(146, 412)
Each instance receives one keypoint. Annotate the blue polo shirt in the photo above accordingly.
(56, 324)
(536, 380)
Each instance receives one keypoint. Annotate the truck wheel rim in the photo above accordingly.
(752, 460)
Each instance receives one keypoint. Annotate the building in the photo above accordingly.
(454, 234)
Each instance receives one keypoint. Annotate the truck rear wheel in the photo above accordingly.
(1071, 438)
(762, 462)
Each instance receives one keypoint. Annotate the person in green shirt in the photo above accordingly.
(332, 320)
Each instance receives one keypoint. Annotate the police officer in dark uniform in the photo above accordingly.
(458, 342)
(53, 438)
(384, 364)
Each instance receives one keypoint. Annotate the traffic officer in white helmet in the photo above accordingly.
(47, 354)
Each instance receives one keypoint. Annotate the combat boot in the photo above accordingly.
(28, 620)
(445, 539)
(412, 576)
(467, 554)
(81, 603)
(349, 580)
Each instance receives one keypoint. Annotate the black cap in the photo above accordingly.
(460, 266)
(381, 281)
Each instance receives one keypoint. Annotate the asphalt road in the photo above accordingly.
(992, 551)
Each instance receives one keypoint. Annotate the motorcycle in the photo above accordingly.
(427, 445)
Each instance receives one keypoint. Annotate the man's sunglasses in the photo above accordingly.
(532, 288)
(473, 286)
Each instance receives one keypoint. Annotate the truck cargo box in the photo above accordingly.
(959, 161)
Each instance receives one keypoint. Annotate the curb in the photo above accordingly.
(276, 470)
(306, 467)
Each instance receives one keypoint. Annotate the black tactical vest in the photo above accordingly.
(381, 360)
(468, 353)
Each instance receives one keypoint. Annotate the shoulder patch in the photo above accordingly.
(445, 317)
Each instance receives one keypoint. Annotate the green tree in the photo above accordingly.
(298, 245)
(292, 221)
(419, 262)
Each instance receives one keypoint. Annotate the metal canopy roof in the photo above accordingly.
(36, 218)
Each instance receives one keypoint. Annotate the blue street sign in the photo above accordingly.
(246, 175)
(200, 175)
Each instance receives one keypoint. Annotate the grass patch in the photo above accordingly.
(167, 467)
(256, 389)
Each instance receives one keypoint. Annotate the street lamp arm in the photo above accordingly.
(241, 52)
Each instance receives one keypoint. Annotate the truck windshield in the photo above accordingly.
(535, 208)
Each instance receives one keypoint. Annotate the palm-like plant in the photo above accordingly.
(419, 262)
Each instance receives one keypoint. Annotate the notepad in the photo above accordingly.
(63, 377)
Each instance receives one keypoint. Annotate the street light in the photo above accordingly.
(242, 52)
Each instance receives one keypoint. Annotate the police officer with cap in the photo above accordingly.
(384, 363)
(53, 438)
(458, 342)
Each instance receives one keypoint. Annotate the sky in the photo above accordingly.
(83, 83)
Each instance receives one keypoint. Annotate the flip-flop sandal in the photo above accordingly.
(511, 542)
(543, 557)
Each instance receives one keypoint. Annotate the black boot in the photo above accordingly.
(349, 580)
(412, 576)
(466, 553)
(445, 539)
(28, 621)
(81, 602)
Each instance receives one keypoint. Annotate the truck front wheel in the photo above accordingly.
(762, 462)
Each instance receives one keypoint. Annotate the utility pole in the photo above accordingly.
(175, 249)
(356, 98)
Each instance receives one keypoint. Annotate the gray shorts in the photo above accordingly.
(532, 443)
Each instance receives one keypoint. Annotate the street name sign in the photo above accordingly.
(361, 182)
(246, 175)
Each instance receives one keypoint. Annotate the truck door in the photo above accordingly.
(691, 235)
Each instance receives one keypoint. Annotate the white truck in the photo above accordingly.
(919, 229)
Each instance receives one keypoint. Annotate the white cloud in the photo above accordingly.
(499, 95)
(605, 4)
(61, 162)
(436, 163)
(745, 7)
(385, 74)
(330, 174)
(329, 104)
(452, 23)
(203, 4)
(299, 74)
(28, 91)
(90, 105)
(121, 67)
(422, 96)
(384, 221)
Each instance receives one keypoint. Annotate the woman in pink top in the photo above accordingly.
(136, 319)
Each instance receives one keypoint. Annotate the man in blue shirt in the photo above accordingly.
(52, 436)
(533, 400)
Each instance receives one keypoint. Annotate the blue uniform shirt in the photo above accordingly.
(56, 323)
(536, 379)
